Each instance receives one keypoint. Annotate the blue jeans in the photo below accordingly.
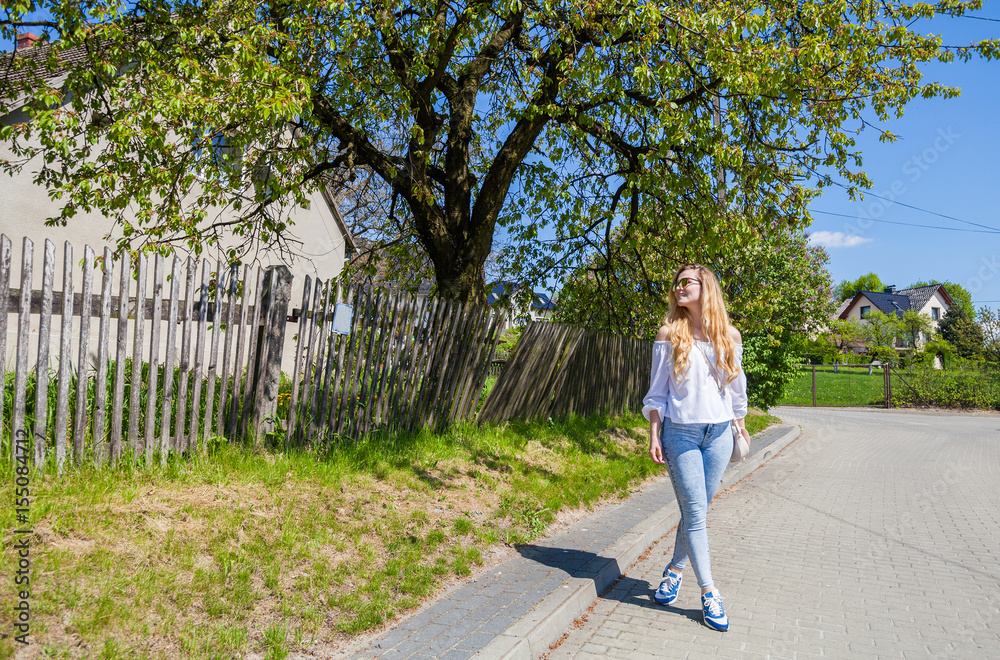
(696, 456)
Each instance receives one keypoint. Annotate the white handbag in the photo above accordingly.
(741, 448)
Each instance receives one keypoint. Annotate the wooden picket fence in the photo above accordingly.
(176, 371)
(157, 403)
(557, 370)
(409, 362)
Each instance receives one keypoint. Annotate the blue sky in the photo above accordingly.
(947, 161)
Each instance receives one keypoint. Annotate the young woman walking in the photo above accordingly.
(697, 388)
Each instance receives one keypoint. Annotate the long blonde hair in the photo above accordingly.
(714, 323)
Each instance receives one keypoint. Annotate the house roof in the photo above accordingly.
(920, 295)
(503, 290)
(18, 66)
(896, 302)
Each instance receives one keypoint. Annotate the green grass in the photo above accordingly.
(238, 551)
(849, 386)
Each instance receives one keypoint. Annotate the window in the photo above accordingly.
(217, 156)
(865, 311)
(936, 313)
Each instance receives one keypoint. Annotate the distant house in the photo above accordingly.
(932, 300)
(523, 305)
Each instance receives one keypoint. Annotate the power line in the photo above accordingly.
(980, 18)
(910, 224)
(917, 208)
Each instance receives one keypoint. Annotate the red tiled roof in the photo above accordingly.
(18, 65)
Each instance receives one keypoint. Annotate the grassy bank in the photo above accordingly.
(237, 552)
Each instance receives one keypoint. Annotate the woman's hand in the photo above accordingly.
(656, 451)
(743, 430)
(655, 448)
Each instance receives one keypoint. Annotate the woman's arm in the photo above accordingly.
(738, 387)
(655, 448)
(656, 398)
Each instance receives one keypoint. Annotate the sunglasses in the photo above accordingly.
(684, 281)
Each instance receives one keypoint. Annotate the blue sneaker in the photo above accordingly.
(712, 612)
(667, 593)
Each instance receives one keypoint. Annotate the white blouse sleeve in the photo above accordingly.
(659, 381)
(738, 388)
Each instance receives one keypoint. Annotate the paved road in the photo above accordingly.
(875, 534)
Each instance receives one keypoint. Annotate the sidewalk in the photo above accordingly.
(519, 608)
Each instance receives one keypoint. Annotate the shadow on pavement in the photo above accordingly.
(587, 565)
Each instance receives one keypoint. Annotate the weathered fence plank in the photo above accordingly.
(322, 357)
(65, 349)
(213, 357)
(42, 366)
(23, 337)
(234, 404)
(308, 326)
(168, 362)
(254, 331)
(181, 426)
(5, 278)
(199, 359)
(135, 389)
(101, 381)
(337, 389)
(297, 368)
(154, 359)
(220, 423)
(278, 288)
(331, 352)
(121, 343)
(80, 426)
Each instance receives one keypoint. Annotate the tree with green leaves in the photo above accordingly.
(989, 322)
(914, 325)
(961, 331)
(847, 333)
(881, 332)
(558, 122)
(849, 288)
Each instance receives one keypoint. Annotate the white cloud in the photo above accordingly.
(835, 239)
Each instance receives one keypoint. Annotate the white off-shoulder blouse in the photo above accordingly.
(697, 399)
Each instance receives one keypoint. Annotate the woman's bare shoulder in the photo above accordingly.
(663, 334)
(735, 334)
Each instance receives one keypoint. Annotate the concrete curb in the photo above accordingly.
(531, 635)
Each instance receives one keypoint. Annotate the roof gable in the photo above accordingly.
(920, 295)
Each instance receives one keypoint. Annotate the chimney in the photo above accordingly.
(889, 289)
(26, 40)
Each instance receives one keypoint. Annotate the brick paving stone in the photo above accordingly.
(875, 534)
(497, 624)
(475, 641)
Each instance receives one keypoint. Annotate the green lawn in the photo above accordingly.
(850, 386)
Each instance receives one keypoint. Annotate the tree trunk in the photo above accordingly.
(463, 280)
